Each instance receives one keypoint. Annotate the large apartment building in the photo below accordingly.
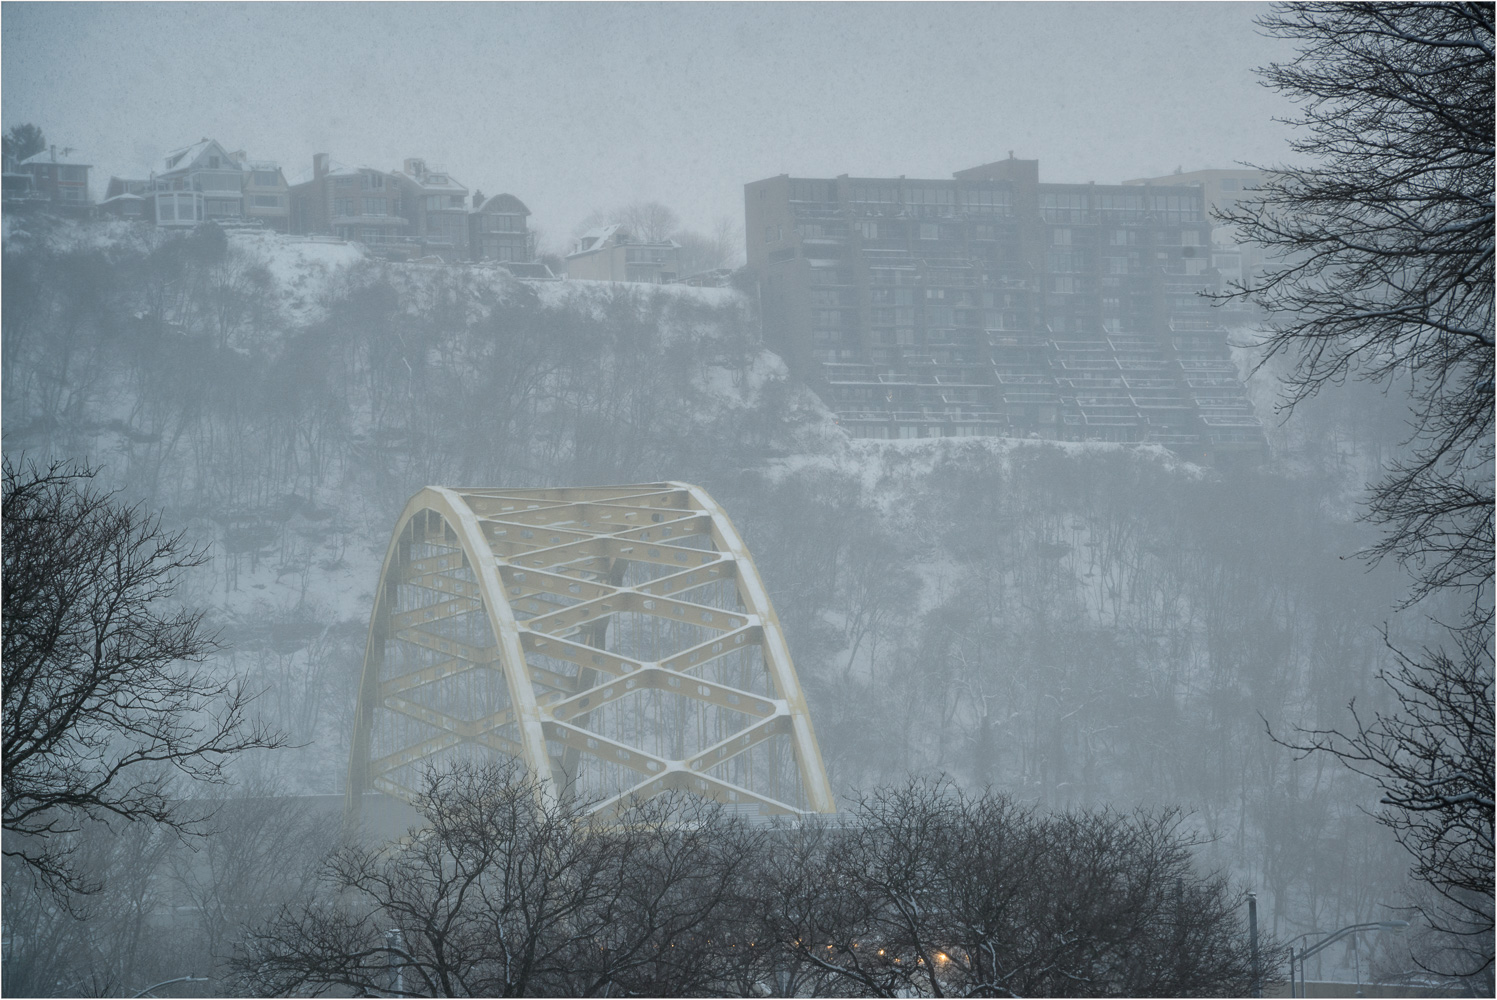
(1224, 190)
(990, 303)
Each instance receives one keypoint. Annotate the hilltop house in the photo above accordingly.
(198, 182)
(497, 230)
(58, 177)
(612, 254)
(436, 207)
(267, 196)
(127, 198)
(351, 203)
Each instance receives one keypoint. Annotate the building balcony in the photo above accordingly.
(371, 220)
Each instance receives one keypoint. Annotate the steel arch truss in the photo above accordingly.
(616, 640)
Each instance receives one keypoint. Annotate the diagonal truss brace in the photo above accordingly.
(544, 570)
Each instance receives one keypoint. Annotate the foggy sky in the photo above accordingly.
(575, 107)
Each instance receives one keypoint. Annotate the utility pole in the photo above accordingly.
(395, 942)
(1253, 942)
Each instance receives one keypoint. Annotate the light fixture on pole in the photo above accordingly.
(1379, 925)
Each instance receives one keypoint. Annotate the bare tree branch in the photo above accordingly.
(105, 704)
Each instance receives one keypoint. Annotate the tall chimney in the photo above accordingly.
(319, 165)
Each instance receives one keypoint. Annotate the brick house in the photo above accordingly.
(352, 203)
(59, 177)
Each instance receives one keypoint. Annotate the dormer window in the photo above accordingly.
(213, 163)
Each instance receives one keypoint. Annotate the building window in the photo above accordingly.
(930, 231)
(373, 182)
(266, 178)
(342, 206)
(375, 206)
(1060, 237)
(1063, 207)
(267, 201)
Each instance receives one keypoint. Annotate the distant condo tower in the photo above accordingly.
(992, 304)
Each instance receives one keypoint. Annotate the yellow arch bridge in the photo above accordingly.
(616, 640)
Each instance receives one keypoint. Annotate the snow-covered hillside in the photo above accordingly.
(1075, 624)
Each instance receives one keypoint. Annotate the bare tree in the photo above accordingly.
(722, 248)
(104, 701)
(1384, 251)
(504, 894)
(645, 220)
(1433, 760)
(1384, 272)
(928, 892)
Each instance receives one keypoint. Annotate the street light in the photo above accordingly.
(1330, 939)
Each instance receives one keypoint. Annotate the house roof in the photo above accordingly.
(594, 239)
(66, 158)
(506, 204)
(335, 169)
(434, 181)
(180, 160)
(183, 157)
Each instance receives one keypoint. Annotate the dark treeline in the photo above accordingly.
(918, 890)
(1078, 627)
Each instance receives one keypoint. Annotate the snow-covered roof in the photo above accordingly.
(183, 159)
(434, 181)
(67, 158)
(336, 169)
(122, 197)
(342, 171)
(594, 239)
(597, 239)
